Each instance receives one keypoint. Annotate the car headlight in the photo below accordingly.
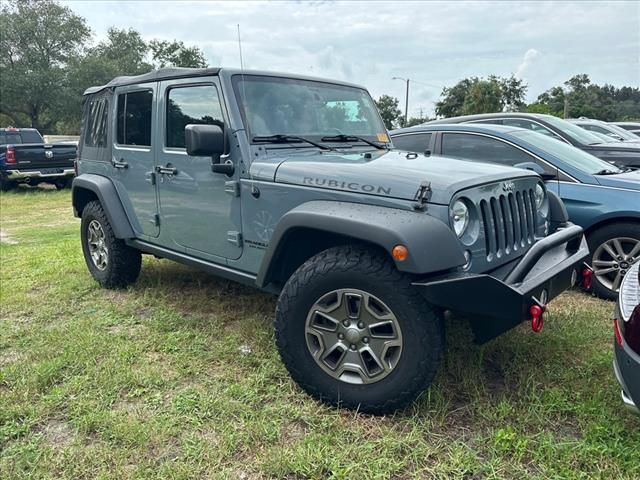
(539, 196)
(459, 217)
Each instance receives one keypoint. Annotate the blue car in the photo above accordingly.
(600, 197)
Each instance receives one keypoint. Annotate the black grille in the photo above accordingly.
(509, 222)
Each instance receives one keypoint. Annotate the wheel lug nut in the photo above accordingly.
(365, 339)
(345, 323)
(353, 347)
(360, 325)
(615, 265)
(341, 336)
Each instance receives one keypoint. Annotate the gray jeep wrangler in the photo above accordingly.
(291, 184)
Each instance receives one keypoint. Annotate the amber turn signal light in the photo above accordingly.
(400, 253)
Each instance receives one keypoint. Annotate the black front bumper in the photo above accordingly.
(498, 301)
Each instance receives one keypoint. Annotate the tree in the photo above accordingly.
(478, 95)
(389, 111)
(176, 54)
(37, 41)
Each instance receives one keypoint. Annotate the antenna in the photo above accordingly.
(240, 48)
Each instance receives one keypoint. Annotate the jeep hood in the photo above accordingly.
(395, 174)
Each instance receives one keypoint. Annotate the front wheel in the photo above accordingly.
(111, 261)
(614, 248)
(353, 331)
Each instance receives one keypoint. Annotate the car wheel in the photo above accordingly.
(62, 183)
(353, 331)
(614, 248)
(111, 262)
(6, 185)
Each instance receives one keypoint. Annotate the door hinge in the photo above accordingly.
(234, 238)
(152, 177)
(155, 220)
(232, 188)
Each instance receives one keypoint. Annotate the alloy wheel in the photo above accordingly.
(97, 245)
(353, 336)
(613, 258)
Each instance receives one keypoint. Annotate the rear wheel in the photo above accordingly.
(353, 331)
(614, 248)
(111, 262)
(63, 183)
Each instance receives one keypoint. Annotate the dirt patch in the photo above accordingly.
(129, 330)
(9, 357)
(57, 433)
(293, 432)
(6, 238)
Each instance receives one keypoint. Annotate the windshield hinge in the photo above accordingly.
(423, 195)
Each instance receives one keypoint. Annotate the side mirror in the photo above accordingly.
(204, 140)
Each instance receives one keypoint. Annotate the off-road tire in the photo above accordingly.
(600, 236)
(366, 269)
(124, 262)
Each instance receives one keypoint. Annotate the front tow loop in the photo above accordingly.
(537, 313)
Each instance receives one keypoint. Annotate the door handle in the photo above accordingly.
(119, 163)
(167, 170)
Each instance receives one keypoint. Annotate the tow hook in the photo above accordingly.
(587, 277)
(537, 313)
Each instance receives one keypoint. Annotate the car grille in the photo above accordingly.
(509, 222)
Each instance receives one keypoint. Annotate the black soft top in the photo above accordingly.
(155, 76)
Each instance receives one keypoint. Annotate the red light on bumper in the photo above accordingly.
(537, 317)
(616, 331)
(587, 278)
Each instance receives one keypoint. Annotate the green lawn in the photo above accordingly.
(178, 377)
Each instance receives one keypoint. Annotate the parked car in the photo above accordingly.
(601, 198)
(618, 153)
(633, 127)
(626, 326)
(604, 128)
(25, 158)
(288, 184)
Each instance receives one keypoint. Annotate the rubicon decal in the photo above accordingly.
(353, 186)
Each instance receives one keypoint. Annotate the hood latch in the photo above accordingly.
(423, 195)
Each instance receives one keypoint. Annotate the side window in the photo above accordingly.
(482, 149)
(489, 122)
(191, 105)
(417, 142)
(96, 130)
(31, 136)
(134, 118)
(529, 125)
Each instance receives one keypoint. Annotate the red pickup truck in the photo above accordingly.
(26, 158)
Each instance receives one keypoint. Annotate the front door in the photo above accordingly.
(199, 210)
(132, 162)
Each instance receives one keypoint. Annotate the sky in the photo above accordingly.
(434, 44)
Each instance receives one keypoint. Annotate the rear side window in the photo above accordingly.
(193, 105)
(96, 130)
(417, 142)
(31, 136)
(529, 125)
(482, 149)
(134, 118)
(22, 136)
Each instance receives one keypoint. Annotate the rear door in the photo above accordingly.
(132, 162)
(199, 209)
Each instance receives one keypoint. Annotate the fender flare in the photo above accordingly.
(105, 191)
(432, 245)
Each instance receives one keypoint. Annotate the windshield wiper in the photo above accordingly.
(607, 172)
(352, 138)
(287, 139)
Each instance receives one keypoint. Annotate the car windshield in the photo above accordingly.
(579, 159)
(309, 109)
(576, 133)
(621, 132)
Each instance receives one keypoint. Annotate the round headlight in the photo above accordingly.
(459, 217)
(539, 196)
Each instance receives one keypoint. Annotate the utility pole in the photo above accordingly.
(406, 98)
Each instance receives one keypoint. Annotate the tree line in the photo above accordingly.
(577, 97)
(48, 59)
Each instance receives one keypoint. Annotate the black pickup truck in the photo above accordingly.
(26, 158)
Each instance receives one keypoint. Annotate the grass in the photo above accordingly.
(178, 377)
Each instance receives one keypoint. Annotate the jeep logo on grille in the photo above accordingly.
(508, 186)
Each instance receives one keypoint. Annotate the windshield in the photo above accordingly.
(579, 159)
(310, 109)
(621, 132)
(576, 133)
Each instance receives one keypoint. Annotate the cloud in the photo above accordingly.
(529, 57)
(436, 43)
